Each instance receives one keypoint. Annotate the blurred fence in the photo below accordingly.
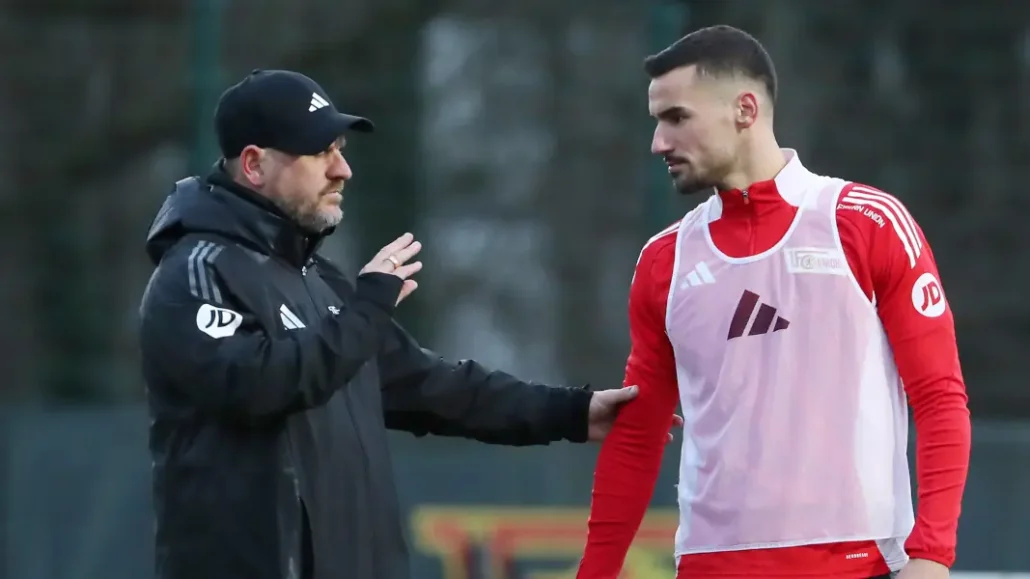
(512, 137)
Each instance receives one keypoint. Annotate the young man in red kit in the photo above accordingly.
(794, 317)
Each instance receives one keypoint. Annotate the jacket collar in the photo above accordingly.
(261, 223)
(788, 186)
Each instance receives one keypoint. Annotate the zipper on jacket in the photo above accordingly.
(307, 286)
(750, 225)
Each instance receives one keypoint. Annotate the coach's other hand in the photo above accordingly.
(604, 407)
(393, 259)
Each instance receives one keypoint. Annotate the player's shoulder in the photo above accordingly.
(870, 207)
(860, 202)
(660, 243)
(880, 217)
(656, 258)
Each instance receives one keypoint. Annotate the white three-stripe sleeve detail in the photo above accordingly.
(904, 216)
(911, 249)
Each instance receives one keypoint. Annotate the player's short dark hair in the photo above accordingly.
(717, 50)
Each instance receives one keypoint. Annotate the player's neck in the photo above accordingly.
(762, 161)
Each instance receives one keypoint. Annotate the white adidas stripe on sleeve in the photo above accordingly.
(896, 213)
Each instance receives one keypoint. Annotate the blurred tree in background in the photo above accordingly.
(512, 139)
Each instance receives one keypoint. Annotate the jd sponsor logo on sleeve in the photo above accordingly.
(218, 322)
(928, 297)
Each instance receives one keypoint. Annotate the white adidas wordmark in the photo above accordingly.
(892, 209)
(700, 275)
(317, 102)
(291, 321)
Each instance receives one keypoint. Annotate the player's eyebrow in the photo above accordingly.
(672, 113)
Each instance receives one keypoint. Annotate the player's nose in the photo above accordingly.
(659, 144)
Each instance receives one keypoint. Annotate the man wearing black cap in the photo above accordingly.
(272, 378)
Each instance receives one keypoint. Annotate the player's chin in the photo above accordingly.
(686, 185)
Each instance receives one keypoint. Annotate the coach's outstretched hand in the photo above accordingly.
(604, 407)
(393, 259)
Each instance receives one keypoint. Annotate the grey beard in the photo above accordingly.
(314, 222)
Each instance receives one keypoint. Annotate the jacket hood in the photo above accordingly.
(217, 205)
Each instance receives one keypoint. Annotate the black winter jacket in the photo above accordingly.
(271, 381)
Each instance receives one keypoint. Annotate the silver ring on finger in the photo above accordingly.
(396, 263)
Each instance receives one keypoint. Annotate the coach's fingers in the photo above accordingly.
(409, 286)
(396, 245)
(407, 270)
(403, 254)
(393, 255)
(393, 248)
(622, 395)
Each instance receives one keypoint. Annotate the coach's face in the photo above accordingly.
(308, 188)
(696, 133)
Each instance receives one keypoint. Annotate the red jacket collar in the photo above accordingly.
(788, 187)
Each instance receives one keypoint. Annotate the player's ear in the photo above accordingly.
(746, 109)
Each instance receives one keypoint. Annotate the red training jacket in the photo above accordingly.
(925, 352)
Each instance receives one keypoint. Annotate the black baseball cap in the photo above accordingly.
(282, 110)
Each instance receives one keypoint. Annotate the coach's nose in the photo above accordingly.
(339, 169)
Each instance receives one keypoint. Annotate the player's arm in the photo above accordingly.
(921, 331)
(631, 455)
